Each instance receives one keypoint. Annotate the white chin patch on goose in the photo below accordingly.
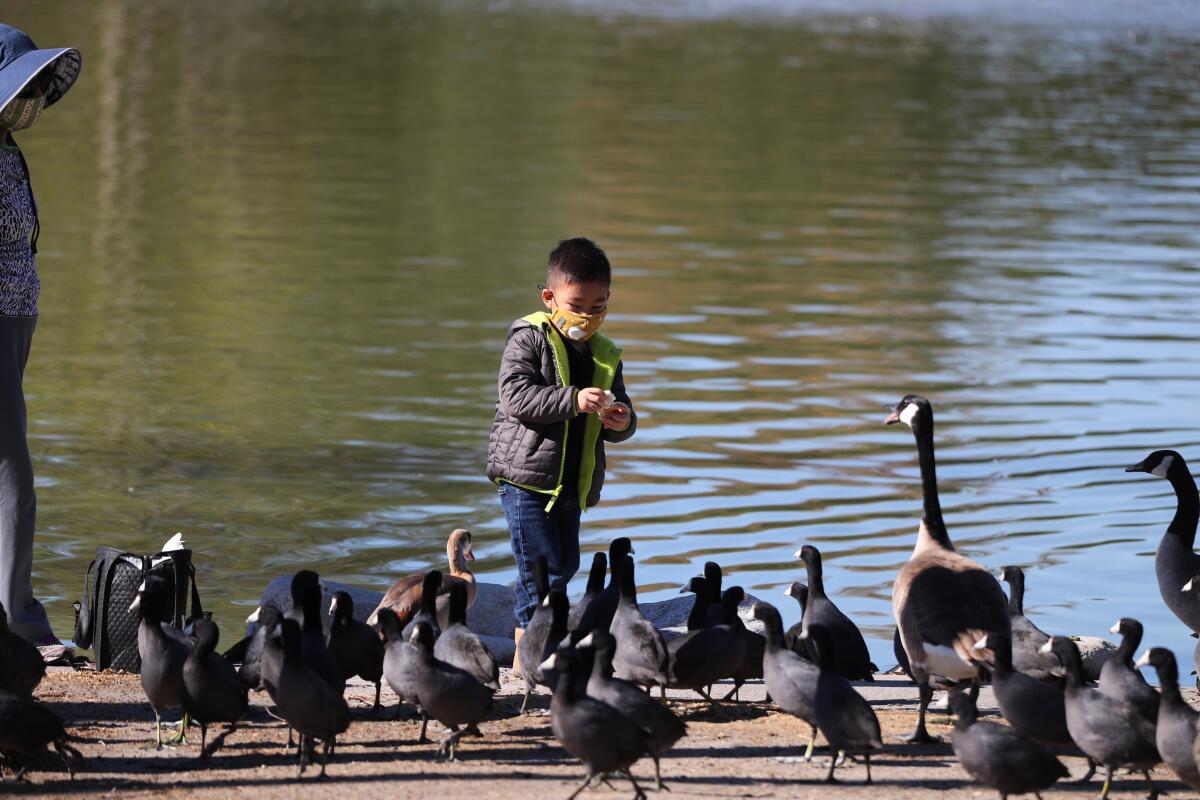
(1163, 467)
(910, 411)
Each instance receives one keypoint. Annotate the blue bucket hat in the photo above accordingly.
(21, 62)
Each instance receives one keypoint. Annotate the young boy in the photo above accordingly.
(553, 417)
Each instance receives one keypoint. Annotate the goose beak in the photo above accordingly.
(1046, 647)
(982, 644)
(893, 417)
(1144, 661)
(254, 615)
(585, 641)
(1116, 628)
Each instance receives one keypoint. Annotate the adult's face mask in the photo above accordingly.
(577, 327)
(21, 112)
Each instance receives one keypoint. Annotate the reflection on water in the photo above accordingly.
(282, 243)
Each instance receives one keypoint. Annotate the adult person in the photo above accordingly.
(30, 80)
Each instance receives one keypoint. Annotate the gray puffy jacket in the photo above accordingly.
(536, 401)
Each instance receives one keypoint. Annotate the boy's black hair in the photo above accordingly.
(576, 261)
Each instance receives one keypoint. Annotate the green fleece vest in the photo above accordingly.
(606, 356)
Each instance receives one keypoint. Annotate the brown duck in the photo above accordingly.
(404, 598)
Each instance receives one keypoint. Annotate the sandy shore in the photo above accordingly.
(745, 749)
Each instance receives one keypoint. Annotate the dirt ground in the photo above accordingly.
(744, 749)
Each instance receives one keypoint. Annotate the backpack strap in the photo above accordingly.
(197, 608)
(85, 610)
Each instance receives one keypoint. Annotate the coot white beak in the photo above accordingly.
(551, 662)
(1144, 661)
(254, 615)
(585, 641)
(1046, 647)
(1191, 584)
(1116, 628)
(332, 606)
(797, 553)
(982, 644)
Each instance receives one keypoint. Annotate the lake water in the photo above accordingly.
(282, 242)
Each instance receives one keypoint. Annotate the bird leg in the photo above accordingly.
(181, 737)
(737, 686)
(63, 749)
(812, 742)
(658, 781)
(921, 734)
(203, 737)
(587, 781)
(832, 766)
(1153, 791)
(303, 753)
(421, 739)
(446, 748)
(1090, 771)
(1107, 783)
(867, 758)
(329, 743)
(524, 702)
(158, 742)
(638, 793)
(218, 740)
(378, 688)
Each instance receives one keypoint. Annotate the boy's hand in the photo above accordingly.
(589, 401)
(615, 417)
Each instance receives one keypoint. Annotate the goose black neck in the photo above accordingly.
(1187, 511)
(932, 509)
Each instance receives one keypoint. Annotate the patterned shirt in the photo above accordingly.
(19, 284)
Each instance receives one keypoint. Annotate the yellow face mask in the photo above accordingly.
(577, 327)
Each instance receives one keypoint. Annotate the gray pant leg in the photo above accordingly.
(18, 503)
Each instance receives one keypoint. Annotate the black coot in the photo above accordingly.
(713, 580)
(355, 645)
(599, 612)
(799, 591)
(21, 665)
(163, 649)
(600, 736)
(26, 727)
(1119, 679)
(264, 619)
(1175, 733)
(642, 655)
(305, 699)
(997, 756)
(850, 656)
(399, 658)
(698, 616)
(657, 723)
(791, 679)
(845, 719)
(754, 643)
(532, 659)
(211, 690)
(1027, 638)
(533, 640)
(704, 656)
(1109, 730)
(458, 645)
(446, 693)
(595, 585)
(306, 610)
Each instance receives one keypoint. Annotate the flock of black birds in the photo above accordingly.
(956, 629)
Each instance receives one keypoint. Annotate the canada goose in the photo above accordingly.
(706, 655)
(1175, 562)
(850, 656)
(998, 756)
(641, 655)
(846, 720)
(1175, 733)
(21, 665)
(356, 647)
(595, 585)
(659, 725)
(799, 591)
(404, 596)
(305, 699)
(210, 688)
(943, 601)
(535, 651)
(163, 649)
(27, 726)
(1119, 679)
(448, 694)
(306, 611)
(1027, 638)
(599, 612)
(600, 736)
(1109, 730)
(458, 645)
(791, 679)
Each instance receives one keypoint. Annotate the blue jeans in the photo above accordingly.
(534, 533)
